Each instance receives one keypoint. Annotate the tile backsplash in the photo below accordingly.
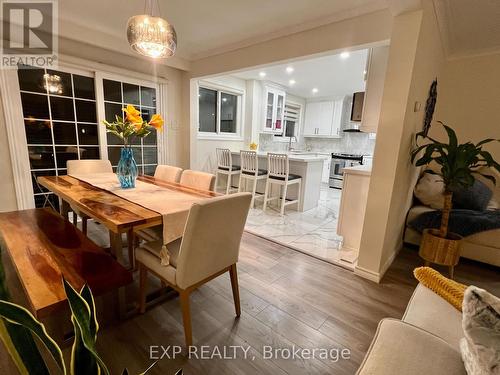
(351, 143)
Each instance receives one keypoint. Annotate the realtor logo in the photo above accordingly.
(29, 33)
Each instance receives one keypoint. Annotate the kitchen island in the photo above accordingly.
(308, 165)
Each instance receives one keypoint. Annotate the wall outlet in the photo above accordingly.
(417, 106)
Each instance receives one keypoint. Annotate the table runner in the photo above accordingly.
(170, 202)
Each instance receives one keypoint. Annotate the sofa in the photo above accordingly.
(424, 341)
(483, 247)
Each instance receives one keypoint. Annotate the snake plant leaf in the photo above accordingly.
(82, 361)
(18, 340)
(16, 314)
(21, 346)
(125, 372)
(82, 317)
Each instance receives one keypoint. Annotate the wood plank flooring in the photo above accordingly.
(288, 299)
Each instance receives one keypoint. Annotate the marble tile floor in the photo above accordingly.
(313, 232)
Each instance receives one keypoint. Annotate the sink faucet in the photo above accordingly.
(290, 142)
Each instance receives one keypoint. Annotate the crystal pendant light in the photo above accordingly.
(151, 36)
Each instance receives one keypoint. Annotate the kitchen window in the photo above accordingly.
(219, 112)
(291, 123)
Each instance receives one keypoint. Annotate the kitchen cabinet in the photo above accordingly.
(323, 119)
(274, 110)
(377, 66)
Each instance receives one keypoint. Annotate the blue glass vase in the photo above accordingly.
(127, 169)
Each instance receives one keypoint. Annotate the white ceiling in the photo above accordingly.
(469, 27)
(332, 75)
(205, 27)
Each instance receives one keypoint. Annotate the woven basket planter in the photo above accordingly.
(439, 250)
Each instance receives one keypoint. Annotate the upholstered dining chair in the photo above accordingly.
(168, 173)
(87, 166)
(190, 178)
(209, 247)
(198, 180)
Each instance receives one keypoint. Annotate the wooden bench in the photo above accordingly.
(43, 247)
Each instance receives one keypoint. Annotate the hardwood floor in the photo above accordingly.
(287, 299)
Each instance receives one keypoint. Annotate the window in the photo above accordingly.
(116, 96)
(61, 111)
(218, 112)
(60, 122)
(292, 122)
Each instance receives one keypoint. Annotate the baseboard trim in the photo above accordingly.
(367, 274)
(376, 276)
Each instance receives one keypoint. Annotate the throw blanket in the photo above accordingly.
(172, 203)
(462, 222)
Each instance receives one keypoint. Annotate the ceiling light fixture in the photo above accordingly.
(262, 74)
(291, 82)
(314, 90)
(289, 69)
(151, 36)
(344, 55)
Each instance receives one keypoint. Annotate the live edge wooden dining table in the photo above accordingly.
(117, 214)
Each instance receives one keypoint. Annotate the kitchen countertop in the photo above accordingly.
(304, 156)
(365, 170)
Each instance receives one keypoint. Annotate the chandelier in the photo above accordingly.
(151, 36)
(52, 83)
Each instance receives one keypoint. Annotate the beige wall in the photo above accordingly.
(358, 31)
(416, 58)
(469, 100)
(177, 132)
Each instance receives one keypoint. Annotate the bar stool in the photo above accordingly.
(250, 171)
(225, 166)
(278, 168)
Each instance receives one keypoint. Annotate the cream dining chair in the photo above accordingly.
(87, 166)
(198, 180)
(209, 247)
(168, 173)
(190, 178)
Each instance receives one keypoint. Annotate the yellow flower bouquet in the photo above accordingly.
(126, 127)
(133, 125)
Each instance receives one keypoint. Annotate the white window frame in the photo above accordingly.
(240, 97)
(13, 113)
(283, 138)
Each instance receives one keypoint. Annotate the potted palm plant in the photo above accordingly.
(456, 164)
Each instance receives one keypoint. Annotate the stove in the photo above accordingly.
(338, 163)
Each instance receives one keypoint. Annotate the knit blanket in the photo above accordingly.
(462, 222)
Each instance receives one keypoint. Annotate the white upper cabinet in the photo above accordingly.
(274, 110)
(323, 119)
(377, 66)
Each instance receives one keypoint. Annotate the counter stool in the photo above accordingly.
(225, 166)
(250, 171)
(278, 173)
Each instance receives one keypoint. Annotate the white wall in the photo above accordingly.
(469, 100)
(415, 59)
